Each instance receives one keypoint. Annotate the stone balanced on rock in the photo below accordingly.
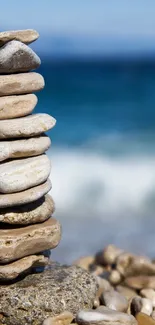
(28, 294)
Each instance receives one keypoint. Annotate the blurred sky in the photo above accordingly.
(81, 24)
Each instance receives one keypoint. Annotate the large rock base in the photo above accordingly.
(40, 295)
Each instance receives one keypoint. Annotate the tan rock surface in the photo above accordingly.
(47, 294)
(26, 36)
(17, 106)
(21, 83)
(16, 243)
(25, 127)
(13, 270)
(19, 175)
(29, 213)
(17, 57)
(24, 148)
(24, 197)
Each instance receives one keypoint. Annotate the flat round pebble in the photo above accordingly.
(28, 147)
(24, 197)
(17, 106)
(29, 213)
(26, 36)
(16, 243)
(21, 83)
(28, 126)
(12, 270)
(19, 175)
(17, 57)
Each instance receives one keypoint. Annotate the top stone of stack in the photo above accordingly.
(26, 36)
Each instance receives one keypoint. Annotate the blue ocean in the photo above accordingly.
(103, 153)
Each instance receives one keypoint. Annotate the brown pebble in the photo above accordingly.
(131, 265)
(96, 303)
(144, 319)
(85, 262)
(108, 255)
(115, 277)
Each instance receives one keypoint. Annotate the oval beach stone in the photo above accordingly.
(28, 126)
(29, 213)
(21, 83)
(17, 106)
(64, 318)
(16, 243)
(17, 57)
(19, 175)
(26, 36)
(105, 317)
(24, 148)
(24, 197)
(114, 300)
(12, 270)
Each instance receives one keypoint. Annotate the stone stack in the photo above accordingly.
(26, 229)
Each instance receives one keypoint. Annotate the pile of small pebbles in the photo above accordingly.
(126, 293)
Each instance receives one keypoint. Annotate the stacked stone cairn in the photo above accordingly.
(26, 229)
(32, 288)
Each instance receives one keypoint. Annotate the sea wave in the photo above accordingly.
(102, 198)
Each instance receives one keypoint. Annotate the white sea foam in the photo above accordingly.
(102, 199)
(86, 182)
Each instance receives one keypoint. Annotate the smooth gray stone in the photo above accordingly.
(106, 317)
(19, 175)
(17, 57)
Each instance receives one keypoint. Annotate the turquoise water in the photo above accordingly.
(103, 153)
